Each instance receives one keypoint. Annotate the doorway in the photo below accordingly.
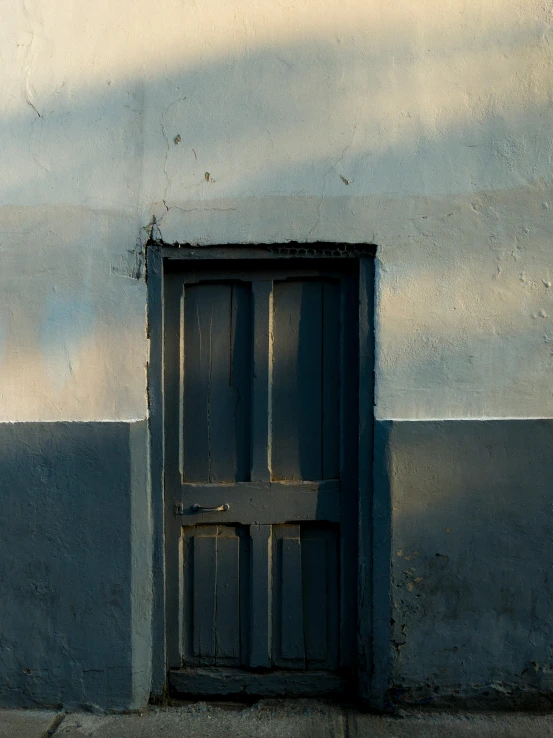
(263, 385)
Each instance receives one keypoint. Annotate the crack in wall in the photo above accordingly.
(333, 168)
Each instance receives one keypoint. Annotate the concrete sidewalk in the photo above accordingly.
(268, 718)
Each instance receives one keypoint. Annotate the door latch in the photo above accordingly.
(179, 508)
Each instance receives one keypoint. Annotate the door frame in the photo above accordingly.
(372, 612)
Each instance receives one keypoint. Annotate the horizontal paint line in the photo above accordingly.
(468, 420)
(71, 420)
(378, 420)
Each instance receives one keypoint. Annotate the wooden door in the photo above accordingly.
(261, 430)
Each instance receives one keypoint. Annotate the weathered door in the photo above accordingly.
(261, 429)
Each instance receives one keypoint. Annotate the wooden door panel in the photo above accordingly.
(305, 597)
(261, 596)
(216, 382)
(305, 380)
(215, 585)
(320, 572)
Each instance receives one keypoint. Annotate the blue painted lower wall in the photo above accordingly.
(471, 560)
(75, 572)
(463, 578)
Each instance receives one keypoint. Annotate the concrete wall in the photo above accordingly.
(424, 127)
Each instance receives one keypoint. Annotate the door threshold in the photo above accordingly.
(213, 681)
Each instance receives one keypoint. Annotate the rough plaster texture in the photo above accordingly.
(471, 560)
(75, 579)
(72, 322)
(424, 127)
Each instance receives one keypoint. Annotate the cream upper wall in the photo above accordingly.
(425, 127)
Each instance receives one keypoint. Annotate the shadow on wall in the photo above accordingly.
(393, 133)
(448, 110)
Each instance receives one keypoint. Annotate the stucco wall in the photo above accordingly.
(424, 127)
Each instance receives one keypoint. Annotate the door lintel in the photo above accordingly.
(287, 250)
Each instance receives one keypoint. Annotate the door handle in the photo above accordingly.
(217, 508)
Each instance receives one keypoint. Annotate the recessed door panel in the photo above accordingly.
(216, 382)
(306, 380)
(305, 597)
(215, 584)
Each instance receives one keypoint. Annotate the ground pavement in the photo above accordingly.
(268, 719)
